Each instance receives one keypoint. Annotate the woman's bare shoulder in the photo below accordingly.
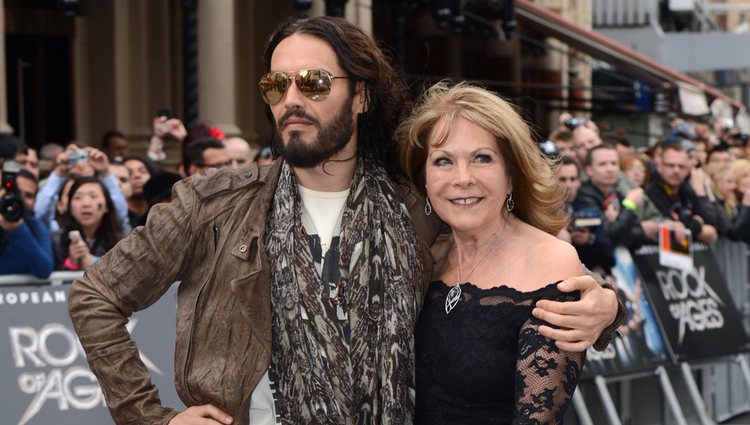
(553, 259)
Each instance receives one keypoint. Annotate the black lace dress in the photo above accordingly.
(485, 362)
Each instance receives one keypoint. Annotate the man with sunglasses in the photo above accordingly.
(676, 200)
(307, 275)
(203, 154)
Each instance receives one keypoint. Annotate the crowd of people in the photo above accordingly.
(78, 201)
(695, 180)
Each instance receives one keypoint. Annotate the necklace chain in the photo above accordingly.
(454, 295)
(490, 246)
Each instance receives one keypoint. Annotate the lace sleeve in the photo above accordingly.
(545, 377)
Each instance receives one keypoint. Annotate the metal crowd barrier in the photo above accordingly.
(43, 370)
(705, 392)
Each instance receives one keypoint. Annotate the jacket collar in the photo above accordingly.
(254, 221)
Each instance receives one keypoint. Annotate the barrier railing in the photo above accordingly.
(682, 387)
(43, 370)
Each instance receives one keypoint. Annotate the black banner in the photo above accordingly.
(43, 370)
(694, 308)
(641, 345)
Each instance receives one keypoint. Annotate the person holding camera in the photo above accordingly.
(77, 161)
(25, 246)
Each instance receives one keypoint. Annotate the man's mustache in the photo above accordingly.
(297, 113)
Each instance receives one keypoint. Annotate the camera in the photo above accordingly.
(573, 123)
(11, 205)
(77, 157)
(549, 148)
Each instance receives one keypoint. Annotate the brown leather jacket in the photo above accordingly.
(210, 239)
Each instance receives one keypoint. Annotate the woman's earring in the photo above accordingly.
(427, 207)
(509, 204)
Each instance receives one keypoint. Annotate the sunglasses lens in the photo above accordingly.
(314, 83)
(273, 86)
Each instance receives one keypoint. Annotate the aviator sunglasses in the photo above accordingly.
(313, 83)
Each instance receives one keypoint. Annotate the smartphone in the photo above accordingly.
(74, 236)
(164, 112)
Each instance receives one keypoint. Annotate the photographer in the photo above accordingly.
(75, 161)
(25, 245)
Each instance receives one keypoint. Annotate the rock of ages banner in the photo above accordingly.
(43, 370)
(696, 313)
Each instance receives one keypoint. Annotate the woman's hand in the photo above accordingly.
(206, 414)
(99, 161)
(580, 322)
(78, 251)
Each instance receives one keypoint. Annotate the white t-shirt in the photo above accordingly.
(324, 212)
(262, 407)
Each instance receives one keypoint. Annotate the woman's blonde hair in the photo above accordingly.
(739, 168)
(537, 195)
(717, 172)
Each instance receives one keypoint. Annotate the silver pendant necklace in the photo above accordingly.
(454, 295)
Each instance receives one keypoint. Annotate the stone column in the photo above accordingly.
(360, 13)
(4, 126)
(217, 65)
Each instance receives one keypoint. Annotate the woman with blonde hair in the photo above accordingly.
(732, 189)
(474, 158)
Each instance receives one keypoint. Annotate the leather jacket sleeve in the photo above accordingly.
(622, 312)
(130, 277)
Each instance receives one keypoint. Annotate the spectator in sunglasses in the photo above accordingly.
(323, 256)
(202, 154)
(677, 200)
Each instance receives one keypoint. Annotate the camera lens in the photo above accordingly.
(11, 208)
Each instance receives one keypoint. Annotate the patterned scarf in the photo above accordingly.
(319, 380)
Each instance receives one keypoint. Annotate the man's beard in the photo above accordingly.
(332, 138)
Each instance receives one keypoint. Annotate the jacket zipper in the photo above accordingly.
(188, 358)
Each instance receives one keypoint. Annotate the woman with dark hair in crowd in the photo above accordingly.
(140, 172)
(90, 226)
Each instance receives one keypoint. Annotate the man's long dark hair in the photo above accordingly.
(363, 61)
